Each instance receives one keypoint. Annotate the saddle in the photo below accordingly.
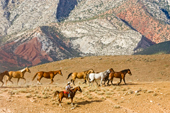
(65, 92)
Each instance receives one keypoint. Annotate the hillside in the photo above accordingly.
(33, 33)
(161, 48)
(147, 87)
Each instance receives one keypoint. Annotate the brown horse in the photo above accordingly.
(107, 77)
(48, 75)
(120, 75)
(61, 94)
(17, 74)
(2, 76)
(80, 75)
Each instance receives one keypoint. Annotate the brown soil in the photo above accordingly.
(147, 90)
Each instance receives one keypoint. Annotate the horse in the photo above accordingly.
(107, 76)
(17, 74)
(120, 75)
(2, 76)
(80, 75)
(94, 76)
(48, 75)
(61, 94)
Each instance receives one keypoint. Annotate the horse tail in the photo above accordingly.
(34, 76)
(69, 75)
(56, 93)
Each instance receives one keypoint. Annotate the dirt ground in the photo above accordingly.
(147, 90)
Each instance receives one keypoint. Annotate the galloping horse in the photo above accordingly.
(48, 75)
(17, 74)
(80, 75)
(61, 94)
(101, 75)
(2, 76)
(120, 75)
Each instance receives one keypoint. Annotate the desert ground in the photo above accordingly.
(147, 90)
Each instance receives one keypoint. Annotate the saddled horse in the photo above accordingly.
(17, 74)
(80, 75)
(94, 76)
(2, 76)
(120, 75)
(48, 75)
(62, 95)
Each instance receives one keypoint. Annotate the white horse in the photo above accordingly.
(94, 76)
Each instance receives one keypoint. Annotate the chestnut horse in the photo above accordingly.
(61, 94)
(2, 76)
(80, 75)
(48, 75)
(17, 74)
(120, 75)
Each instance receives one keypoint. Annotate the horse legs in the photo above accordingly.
(9, 79)
(2, 83)
(52, 80)
(112, 82)
(72, 81)
(101, 82)
(38, 79)
(120, 81)
(59, 100)
(72, 101)
(96, 82)
(124, 81)
(24, 79)
(107, 82)
(18, 81)
(84, 81)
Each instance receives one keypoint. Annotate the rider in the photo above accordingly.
(68, 88)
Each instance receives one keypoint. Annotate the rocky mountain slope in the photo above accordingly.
(35, 32)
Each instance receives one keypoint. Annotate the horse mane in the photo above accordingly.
(125, 70)
(89, 69)
(22, 70)
(76, 87)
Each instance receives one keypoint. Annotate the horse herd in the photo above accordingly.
(107, 75)
(88, 75)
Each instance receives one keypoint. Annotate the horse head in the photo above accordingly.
(59, 72)
(129, 72)
(108, 71)
(79, 89)
(7, 73)
(27, 70)
(89, 71)
(111, 70)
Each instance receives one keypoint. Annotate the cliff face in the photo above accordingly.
(140, 17)
(39, 46)
(35, 32)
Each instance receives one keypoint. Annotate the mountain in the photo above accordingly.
(161, 48)
(35, 32)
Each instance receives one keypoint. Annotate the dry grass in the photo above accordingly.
(144, 79)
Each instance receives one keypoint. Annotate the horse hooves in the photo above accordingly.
(72, 104)
(39, 83)
(60, 105)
